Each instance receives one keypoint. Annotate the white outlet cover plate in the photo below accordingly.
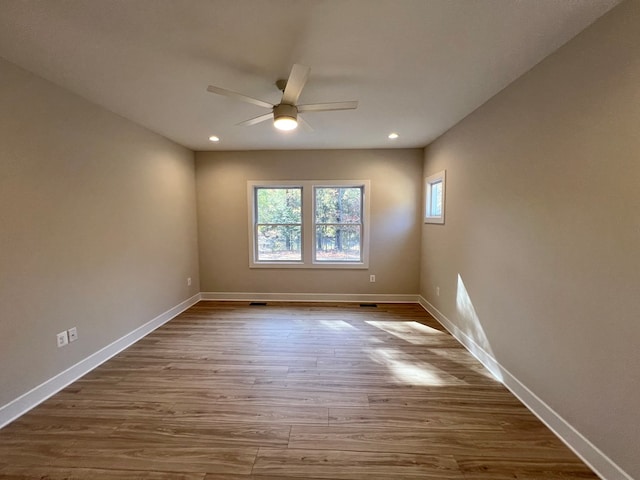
(73, 334)
(62, 338)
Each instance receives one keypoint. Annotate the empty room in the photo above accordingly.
(320, 239)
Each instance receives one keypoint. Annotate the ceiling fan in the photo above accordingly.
(285, 114)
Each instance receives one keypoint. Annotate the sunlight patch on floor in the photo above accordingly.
(412, 332)
(408, 371)
(337, 325)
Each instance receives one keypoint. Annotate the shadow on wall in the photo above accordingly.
(471, 327)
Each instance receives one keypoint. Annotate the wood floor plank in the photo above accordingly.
(38, 425)
(188, 381)
(526, 468)
(208, 369)
(236, 395)
(490, 443)
(21, 472)
(462, 401)
(490, 396)
(414, 419)
(230, 413)
(288, 391)
(354, 465)
(217, 476)
(363, 386)
(104, 408)
(35, 450)
(129, 454)
(214, 434)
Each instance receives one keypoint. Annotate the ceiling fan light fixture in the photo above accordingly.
(285, 123)
(285, 117)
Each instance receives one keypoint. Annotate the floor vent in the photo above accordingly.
(258, 304)
(369, 305)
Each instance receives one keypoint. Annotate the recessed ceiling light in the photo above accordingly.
(393, 136)
(213, 138)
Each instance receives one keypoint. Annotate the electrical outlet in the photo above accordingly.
(437, 291)
(188, 281)
(73, 334)
(63, 339)
(372, 278)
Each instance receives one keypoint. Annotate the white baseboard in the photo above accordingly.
(600, 463)
(310, 297)
(39, 394)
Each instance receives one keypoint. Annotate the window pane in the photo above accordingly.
(279, 242)
(338, 243)
(436, 199)
(338, 205)
(279, 205)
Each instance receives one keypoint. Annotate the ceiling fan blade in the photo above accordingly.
(305, 125)
(325, 107)
(253, 121)
(238, 96)
(295, 83)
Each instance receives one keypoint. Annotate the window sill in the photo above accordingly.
(313, 266)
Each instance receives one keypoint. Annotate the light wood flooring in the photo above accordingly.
(288, 392)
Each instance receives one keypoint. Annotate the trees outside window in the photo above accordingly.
(338, 223)
(278, 223)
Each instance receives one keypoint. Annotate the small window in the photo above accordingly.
(434, 188)
(308, 224)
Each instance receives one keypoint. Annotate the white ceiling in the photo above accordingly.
(417, 67)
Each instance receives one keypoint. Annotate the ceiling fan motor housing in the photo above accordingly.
(284, 110)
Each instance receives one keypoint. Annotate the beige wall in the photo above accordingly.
(543, 231)
(395, 229)
(97, 228)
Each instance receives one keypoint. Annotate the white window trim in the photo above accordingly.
(308, 223)
(428, 184)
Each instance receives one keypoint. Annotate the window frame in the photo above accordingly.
(257, 224)
(314, 230)
(308, 224)
(429, 182)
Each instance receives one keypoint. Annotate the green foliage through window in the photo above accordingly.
(279, 223)
(338, 224)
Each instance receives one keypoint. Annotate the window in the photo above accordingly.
(278, 223)
(309, 224)
(434, 188)
(338, 224)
